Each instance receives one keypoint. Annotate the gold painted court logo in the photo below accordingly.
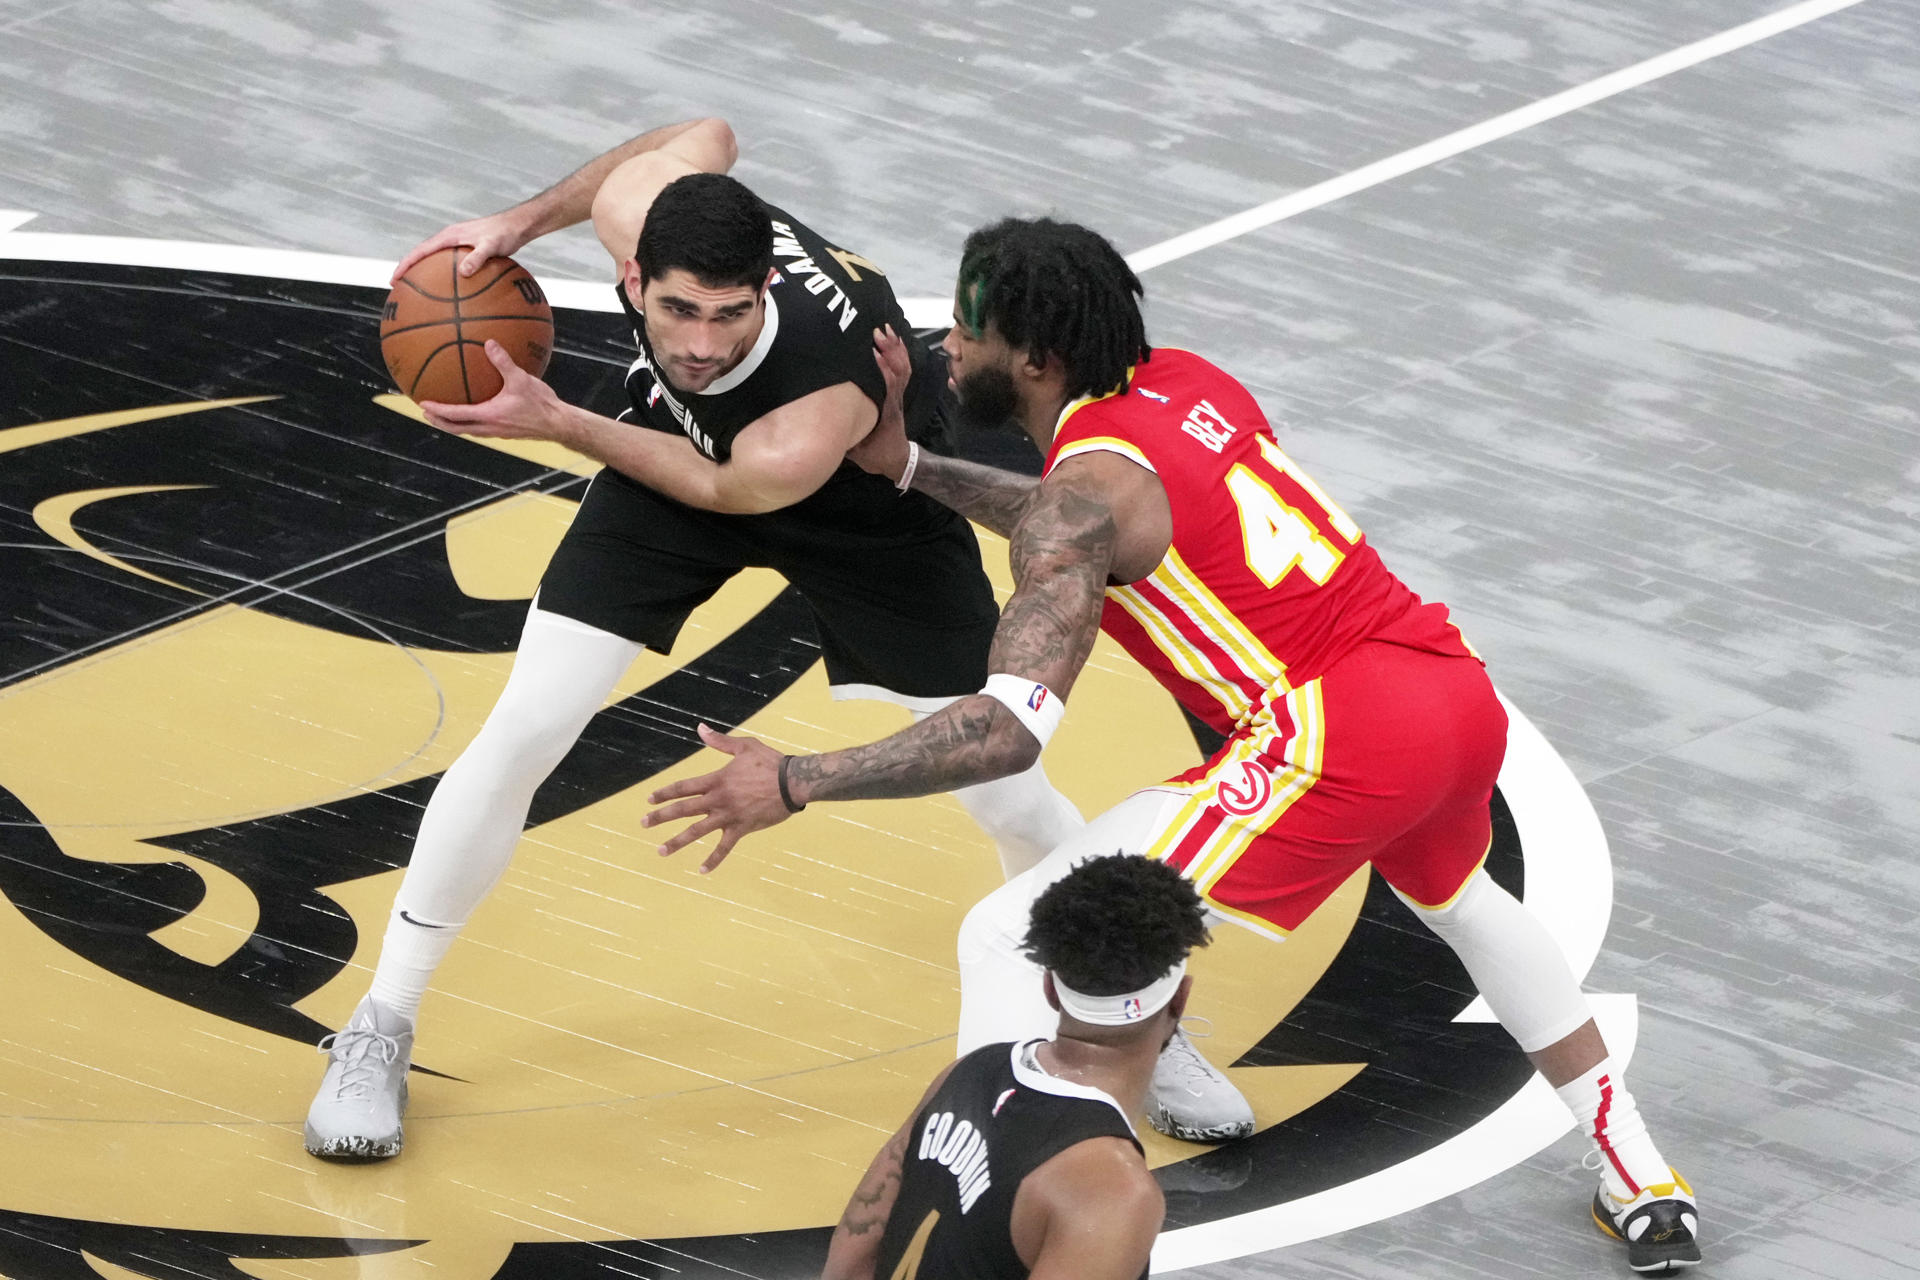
(255, 609)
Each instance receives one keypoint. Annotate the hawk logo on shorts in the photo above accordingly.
(1255, 789)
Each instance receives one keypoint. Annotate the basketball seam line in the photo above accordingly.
(436, 297)
(428, 324)
(460, 334)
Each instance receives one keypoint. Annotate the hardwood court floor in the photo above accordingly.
(1633, 390)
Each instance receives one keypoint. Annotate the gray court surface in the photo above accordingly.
(1633, 390)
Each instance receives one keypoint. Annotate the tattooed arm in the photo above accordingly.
(855, 1249)
(1062, 553)
(985, 495)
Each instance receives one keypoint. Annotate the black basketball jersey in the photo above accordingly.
(822, 308)
(996, 1118)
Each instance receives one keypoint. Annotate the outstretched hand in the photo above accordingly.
(524, 408)
(740, 797)
(495, 236)
(884, 451)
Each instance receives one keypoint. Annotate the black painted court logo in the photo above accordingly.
(255, 608)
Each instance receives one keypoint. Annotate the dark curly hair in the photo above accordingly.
(1114, 924)
(711, 226)
(1058, 289)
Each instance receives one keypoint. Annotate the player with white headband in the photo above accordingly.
(1360, 727)
(1021, 1158)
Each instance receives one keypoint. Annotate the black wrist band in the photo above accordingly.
(786, 796)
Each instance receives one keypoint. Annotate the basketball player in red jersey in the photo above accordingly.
(1361, 728)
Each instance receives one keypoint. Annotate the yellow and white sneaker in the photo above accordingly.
(1659, 1226)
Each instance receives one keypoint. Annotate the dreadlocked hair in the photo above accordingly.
(1116, 923)
(1058, 289)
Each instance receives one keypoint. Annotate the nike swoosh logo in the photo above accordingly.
(422, 923)
(55, 518)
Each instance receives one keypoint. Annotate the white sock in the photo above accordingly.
(1605, 1112)
(561, 676)
(410, 952)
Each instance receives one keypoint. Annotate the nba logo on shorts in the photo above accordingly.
(1038, 696)
(1131, 1009)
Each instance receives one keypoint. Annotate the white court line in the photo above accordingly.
(297, 264)
(1428, 153)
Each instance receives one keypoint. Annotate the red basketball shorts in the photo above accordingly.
(1388, 758)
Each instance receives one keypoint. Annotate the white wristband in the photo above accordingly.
(1032, 703)
(905, 481)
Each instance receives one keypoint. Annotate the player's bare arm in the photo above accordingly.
(621, 193)
(776, 460)
(1090, 1213)
(987, 496)
(1064, 550)
(705, 145)
(855, 1248)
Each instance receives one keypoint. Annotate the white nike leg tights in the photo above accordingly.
(1001, 997)
(562, 675)
(1024, 814)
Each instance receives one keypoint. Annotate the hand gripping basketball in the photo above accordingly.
(524, 408)
(497, 235)
(437, 322)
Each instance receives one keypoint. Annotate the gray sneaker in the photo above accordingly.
(1191, 1100)
(356, 1115)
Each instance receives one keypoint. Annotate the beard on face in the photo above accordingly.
(987, 400)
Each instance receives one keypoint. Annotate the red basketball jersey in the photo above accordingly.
(1267, 583)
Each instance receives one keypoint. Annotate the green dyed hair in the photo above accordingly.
(1055, 288)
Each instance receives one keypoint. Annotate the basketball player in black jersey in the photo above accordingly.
(755, 374)
(1021, 1158)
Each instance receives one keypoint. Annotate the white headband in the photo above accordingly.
(1125, 1008)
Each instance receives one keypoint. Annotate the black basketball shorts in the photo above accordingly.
(900, 600)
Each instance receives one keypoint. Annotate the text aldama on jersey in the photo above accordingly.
(799, 264)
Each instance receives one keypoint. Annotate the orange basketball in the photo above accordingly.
(435, 326)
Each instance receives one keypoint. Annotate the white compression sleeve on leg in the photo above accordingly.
(1512, 959)
(1024, 814)
(561, 676)
(1001, 996)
